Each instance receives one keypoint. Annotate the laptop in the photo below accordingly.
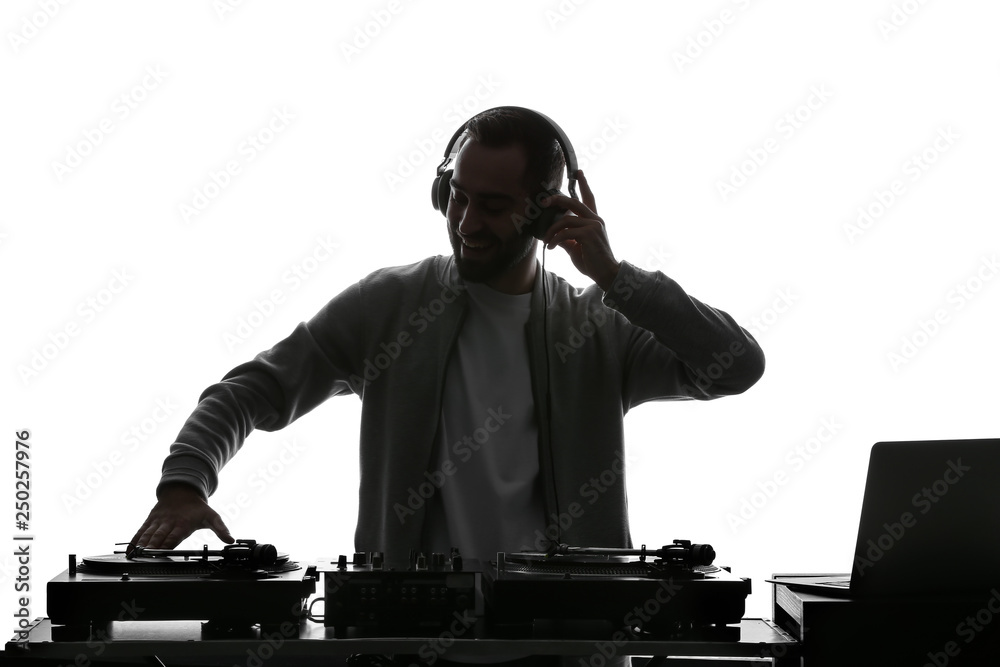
(930, 523)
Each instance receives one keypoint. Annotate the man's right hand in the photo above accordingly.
(179, 511)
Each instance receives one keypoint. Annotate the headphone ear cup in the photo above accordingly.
(549, 216)
(441, 191)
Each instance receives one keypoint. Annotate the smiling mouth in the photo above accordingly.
(476, 245)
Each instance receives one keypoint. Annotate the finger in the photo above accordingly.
(570, 204)
(585, 235)
(142, 529)
(143, 539)
(571, 246)
(568, 222)
(586, 193)
(220, 529)
(176, 536)
(136, 540)
(156, 535)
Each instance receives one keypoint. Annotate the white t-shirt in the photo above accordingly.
(490, 495)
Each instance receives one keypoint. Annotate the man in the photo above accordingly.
(492, 392)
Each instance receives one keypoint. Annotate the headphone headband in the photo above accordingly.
(451, 150)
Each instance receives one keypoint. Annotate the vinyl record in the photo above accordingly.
(171, 565)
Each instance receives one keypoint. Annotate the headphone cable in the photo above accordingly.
(548, 397)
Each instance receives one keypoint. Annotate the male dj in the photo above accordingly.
(492, 391)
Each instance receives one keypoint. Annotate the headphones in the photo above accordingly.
(441, 189)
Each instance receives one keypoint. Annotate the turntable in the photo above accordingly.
(233, 589)
(674, 591)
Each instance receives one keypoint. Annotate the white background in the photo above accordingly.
(665, 102)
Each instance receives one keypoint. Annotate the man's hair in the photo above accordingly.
(499, 128)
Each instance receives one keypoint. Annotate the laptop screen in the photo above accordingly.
(930, 520)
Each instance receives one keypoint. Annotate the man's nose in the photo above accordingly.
(469, 223)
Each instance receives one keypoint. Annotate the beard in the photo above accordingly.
(502, 256)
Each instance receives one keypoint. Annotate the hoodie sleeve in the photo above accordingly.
(315, 362)
(679, 347)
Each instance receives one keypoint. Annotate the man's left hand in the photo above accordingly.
(581, 233)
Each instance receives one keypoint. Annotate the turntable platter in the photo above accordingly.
(169, 565)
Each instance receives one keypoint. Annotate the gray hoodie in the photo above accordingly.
(388, 338)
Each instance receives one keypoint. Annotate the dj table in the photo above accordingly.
(593, 605)
(181, 642)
